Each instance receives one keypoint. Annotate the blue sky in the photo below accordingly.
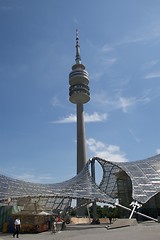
(120, 47)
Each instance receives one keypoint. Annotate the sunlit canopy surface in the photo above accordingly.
(52, 196)
(139, 180)
(144, 177)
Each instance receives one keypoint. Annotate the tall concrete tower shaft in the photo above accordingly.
(81, 145)
(79, 95)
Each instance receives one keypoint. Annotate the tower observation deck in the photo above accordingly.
(78, 80)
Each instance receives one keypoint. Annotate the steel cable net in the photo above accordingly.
(49, 196)
(140, 180)
(142, 177)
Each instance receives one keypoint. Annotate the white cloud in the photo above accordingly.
(158, 151)
(69, 119)
(95, 117)
(34, 178)
(55, 101)
(26, 176)
(108, 152)
(114, 102)
(125, 103)
(153, 75)
(108, 62)
(118, 102)
(106, 48)
(96, 76)
(150, 64)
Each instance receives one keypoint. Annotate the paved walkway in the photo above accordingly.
(143, 231)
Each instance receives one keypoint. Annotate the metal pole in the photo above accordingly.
(138, 213)
(133, 210)
(94, 206)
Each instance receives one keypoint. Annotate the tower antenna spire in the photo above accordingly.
(78, 57)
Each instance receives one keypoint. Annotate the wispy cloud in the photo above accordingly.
(28, 176)
(106, 48)
(103, 64)
(69, 119)
(108, 62)
(102, 59)
(150, 75)
(124, 103)
(129, 40)
(34, 178)
(134, 136)
(108, 152)
(55, 101)
(118, 102)
(149, 65)
(95, 117)
(96, 76)
(142, 35)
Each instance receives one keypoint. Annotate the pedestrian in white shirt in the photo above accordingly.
(17, 227)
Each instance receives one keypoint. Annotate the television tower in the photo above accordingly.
(79, 95)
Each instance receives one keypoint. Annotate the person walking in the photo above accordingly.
(17, 227)
(54, 225)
